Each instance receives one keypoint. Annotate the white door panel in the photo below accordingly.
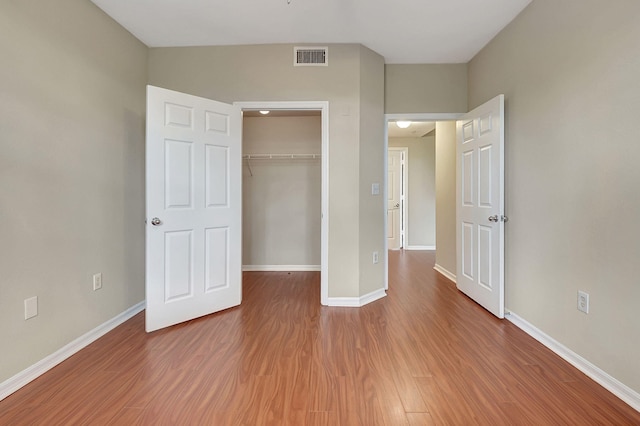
(394, 199)
(193, 264)
(480, 211)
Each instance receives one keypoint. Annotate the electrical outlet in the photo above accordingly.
(97, 281)
(583, 301)
(375, 257)
(30, 307)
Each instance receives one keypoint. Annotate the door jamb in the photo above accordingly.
(447, 116)
(323, 107)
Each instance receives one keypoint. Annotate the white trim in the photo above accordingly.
(31, 373)
(385, 196)
(420, 248)
(323, 107)
(613, 385)
(357, 302)
(451, 276)
(280, 268)
(413, 116)
(372, 297)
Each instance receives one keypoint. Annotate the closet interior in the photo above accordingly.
(281, 190)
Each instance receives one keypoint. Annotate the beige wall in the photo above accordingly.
(446, 195)
(72, 173)
(266, 73)
(421, 201)
(570, 78)
(281, 198)
(422, 88)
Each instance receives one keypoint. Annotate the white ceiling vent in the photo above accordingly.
(310, 56)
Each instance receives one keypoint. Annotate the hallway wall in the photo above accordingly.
(421, 190)
(446, 195)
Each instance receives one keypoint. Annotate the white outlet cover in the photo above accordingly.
(30, 307)
(583, 302)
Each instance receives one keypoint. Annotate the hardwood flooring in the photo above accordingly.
(424, 355)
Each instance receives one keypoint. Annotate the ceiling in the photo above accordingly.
(417, 129)
(402, 31)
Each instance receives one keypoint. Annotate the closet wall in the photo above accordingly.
(281, 197)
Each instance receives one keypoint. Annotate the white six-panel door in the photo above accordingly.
(194, 193)
(394, 199)
(480, 205)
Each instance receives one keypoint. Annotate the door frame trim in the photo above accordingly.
(323, 107)
(437, 116)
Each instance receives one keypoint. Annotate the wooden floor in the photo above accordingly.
(424, 355)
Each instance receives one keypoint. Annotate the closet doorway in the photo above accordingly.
(285, 188)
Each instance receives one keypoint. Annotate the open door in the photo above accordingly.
(394, 199)
(480, 205)
(194, 195)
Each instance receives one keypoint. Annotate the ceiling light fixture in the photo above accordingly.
(264, 112)
(403, 124)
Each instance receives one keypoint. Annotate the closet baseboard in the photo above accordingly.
(281, 268)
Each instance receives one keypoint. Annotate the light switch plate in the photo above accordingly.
(97, 281)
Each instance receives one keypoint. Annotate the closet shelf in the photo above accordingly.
(280, 156)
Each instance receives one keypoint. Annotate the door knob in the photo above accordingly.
(493, 218)
(396, 206)
(156, 221)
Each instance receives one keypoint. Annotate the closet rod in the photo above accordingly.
(280, 156)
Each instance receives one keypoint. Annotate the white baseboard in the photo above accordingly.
(610, 383)
(420, 248)
(445, 272)
(280, 268)
(14, 383)
(356, 302)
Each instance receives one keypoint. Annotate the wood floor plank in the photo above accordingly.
(424, 355)
(126, 416)
(420, 419)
